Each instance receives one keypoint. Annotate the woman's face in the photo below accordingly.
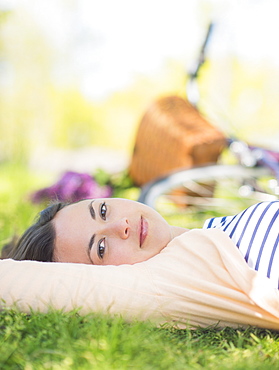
(109, 231)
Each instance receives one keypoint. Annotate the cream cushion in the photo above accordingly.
(199, 279)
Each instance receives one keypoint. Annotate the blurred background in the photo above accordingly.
(77, 75)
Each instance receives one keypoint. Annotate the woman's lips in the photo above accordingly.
(143, 230)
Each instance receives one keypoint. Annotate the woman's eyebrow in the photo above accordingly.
(92, 239)
(91, 242)
(91, 210)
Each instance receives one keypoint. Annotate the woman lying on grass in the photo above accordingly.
(163, 273)
(115, 231)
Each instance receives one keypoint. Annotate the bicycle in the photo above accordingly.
(220, 188)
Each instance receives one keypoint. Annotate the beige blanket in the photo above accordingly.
(199, 279)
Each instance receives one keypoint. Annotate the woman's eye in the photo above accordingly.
(103, 211)
(101, 248)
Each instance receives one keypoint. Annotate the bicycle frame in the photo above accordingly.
(255, 166)
(247, 155)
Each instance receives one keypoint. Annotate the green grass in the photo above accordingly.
(16, 210)
(59, 340)
(71, 341)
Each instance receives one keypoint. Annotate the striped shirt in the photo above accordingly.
(255, 231)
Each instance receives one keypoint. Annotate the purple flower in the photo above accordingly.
(72, 187)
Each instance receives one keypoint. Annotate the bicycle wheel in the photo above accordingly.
(214, 189)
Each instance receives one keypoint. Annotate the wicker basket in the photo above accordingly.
(172, 134)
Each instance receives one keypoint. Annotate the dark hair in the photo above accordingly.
(37, 242)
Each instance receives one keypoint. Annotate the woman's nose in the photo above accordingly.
(120, 228)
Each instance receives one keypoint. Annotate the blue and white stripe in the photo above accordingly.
(255, 231)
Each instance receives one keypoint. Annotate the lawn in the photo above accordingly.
(70, 341)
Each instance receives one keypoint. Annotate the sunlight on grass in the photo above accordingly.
(69, 341)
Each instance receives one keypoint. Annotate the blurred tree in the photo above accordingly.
(25, 115)
(35, 110)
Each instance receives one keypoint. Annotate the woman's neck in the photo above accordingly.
(176, 231)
